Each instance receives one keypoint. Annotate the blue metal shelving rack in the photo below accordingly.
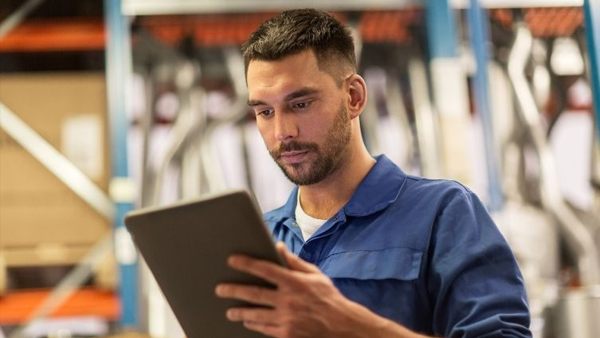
(477, 19)
(118, 71)
(592, 29)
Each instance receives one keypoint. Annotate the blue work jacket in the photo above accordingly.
(424, 253)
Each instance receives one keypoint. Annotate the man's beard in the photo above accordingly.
(329, 159)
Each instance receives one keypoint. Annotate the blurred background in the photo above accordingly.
(107, 106)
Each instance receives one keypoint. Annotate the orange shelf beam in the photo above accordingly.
(218, 30)
(53, 35)
(17, 306)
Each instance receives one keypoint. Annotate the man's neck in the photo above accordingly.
(324, 199)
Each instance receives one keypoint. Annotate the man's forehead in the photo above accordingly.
(305, 59)
(283, 77)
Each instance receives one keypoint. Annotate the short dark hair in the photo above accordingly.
(294, 31)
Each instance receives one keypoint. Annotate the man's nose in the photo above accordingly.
(285, 128)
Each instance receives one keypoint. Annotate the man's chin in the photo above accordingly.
(292, 174)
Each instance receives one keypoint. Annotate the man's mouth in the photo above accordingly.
(296, 156)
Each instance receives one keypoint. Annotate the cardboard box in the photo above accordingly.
(42, 221)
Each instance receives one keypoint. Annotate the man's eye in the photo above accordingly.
(265, 112)
(301, 105)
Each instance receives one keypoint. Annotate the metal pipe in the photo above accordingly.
(425, 120)
(236, 112)
(18, 16)
(368, 119)
(578, 238)
(146, 123)
(56, 163)
(397, 110)
(184, 125)
(479, 32)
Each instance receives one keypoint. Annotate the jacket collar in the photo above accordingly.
(377, 190)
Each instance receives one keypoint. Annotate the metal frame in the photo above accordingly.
(159, 7)
(118, 61)
(477, 19)
(67, 173)
(85, 188)
(441, 30)
(118, 73)
(592, 29)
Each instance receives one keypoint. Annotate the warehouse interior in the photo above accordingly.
(115, 105)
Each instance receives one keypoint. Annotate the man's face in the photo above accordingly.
(301, 115)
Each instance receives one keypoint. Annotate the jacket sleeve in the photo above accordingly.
(474, 281)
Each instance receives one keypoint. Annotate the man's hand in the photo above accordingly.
(304, 304)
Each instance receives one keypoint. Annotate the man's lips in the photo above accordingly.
(296, 156)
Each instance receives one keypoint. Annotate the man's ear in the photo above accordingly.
(357, 95)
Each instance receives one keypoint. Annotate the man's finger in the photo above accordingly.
(268, 271)
(257, 315)
(260, 320)
(252, 294)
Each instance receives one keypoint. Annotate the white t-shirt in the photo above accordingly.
(309, 225)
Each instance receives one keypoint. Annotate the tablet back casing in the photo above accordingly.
(186, 247)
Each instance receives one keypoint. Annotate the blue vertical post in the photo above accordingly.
(118, 71)
(479, 35)
(450, 90)
(592, 29)
(441, 29)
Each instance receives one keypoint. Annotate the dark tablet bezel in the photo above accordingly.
(186, 246)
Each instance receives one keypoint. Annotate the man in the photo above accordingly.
(373, 252)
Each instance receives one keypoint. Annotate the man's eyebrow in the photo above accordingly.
(254, 103)
(299, 93)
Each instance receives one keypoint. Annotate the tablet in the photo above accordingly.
(186, 247)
